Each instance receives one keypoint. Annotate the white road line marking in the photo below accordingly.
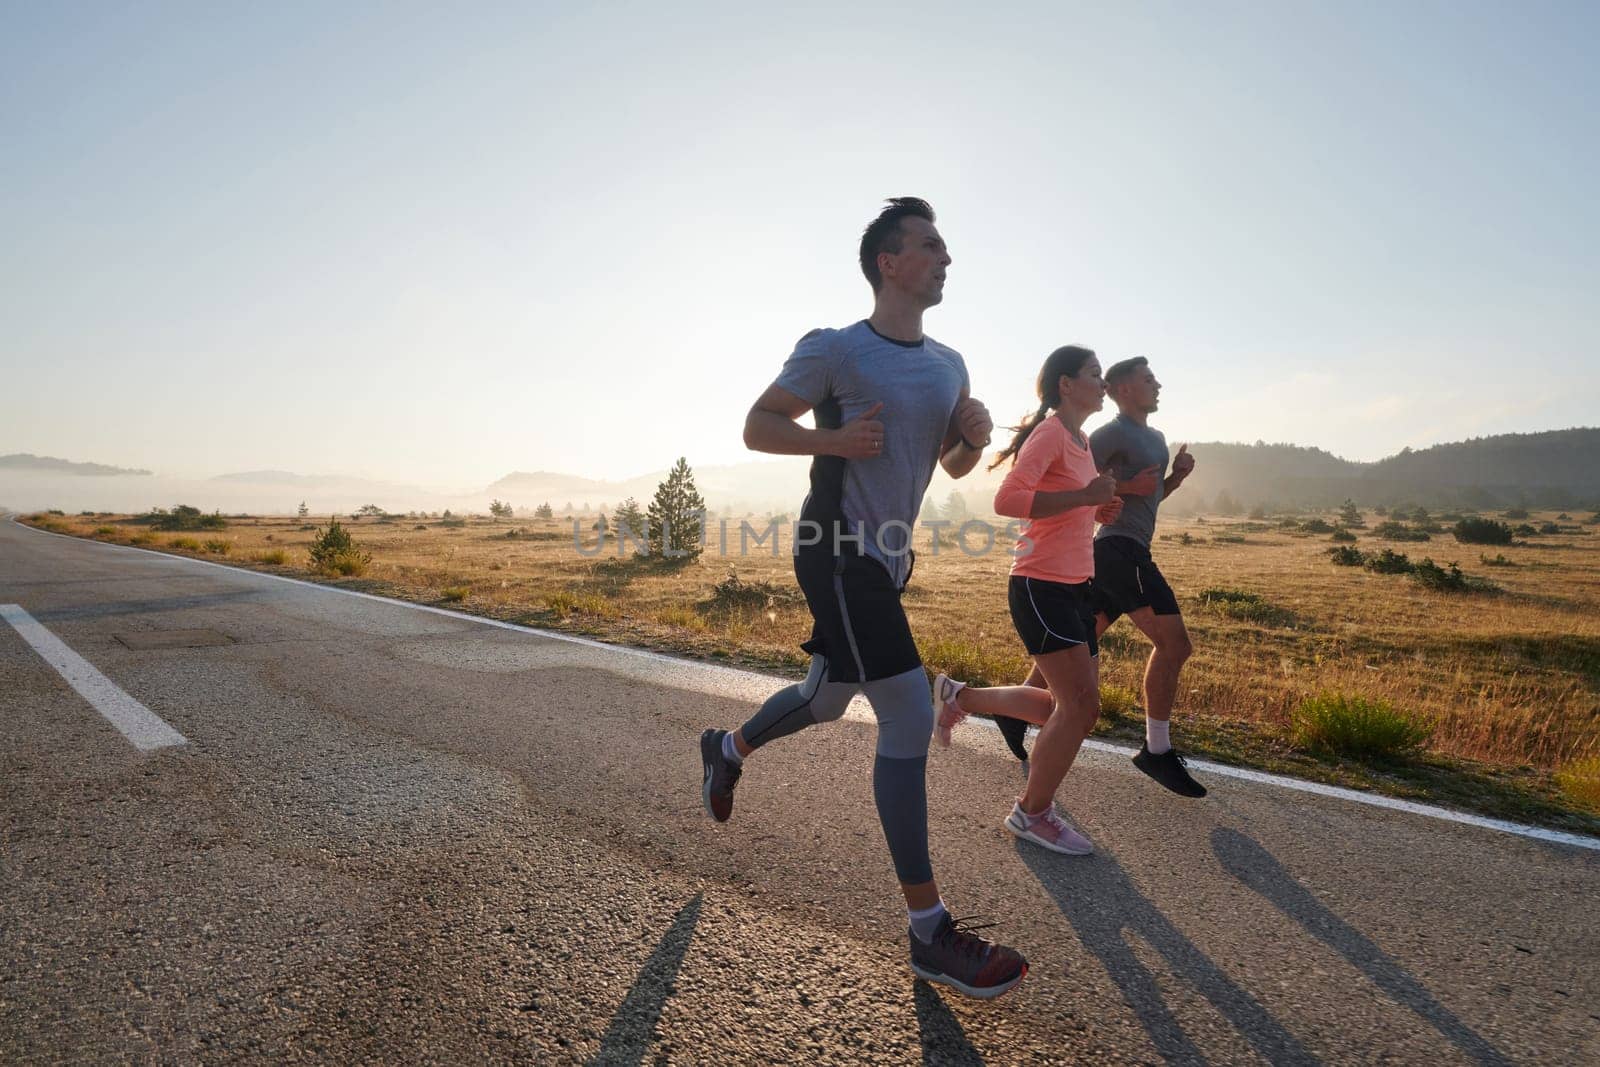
(1537, 833)
(138, 723)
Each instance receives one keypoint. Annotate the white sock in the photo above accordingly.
(1157, 735)
(729, 752)
(926, 923)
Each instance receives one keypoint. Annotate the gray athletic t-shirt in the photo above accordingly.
(1128, 448)
(841, 374)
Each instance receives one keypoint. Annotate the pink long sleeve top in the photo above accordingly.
(1059, 548)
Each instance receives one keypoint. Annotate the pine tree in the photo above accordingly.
(955, 506)
(677, 515)
(544, 511)
(628, 517)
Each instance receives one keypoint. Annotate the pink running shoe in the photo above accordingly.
(1047, 829)
(948, 715)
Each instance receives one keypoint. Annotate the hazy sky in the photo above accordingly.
(439, 243)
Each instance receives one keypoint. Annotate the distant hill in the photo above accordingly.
(1557, 468)
(23, 461)
(303, 481)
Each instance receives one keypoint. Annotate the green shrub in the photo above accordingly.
(275, 555)
(1398, 531)
(1318, 526)
(1476, 531)
(1549, 528)
(1515, 513)
(1345, 556)
(1344, 537)
(217, 546)
(1524, 530)
(183, 517)
(187, 543)
(1388, 562)
(105, 531)
(1430, 575)
(1499, 560)
(1357, 727)
(334, 551)
(455, 593)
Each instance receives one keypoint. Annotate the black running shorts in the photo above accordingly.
(1051, 616)
(1127, 579)
(857, 621)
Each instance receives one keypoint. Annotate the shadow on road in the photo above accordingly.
(627, 1039)
(1103, 905)
(1253, 865)
(943, 1039)
(145, 607)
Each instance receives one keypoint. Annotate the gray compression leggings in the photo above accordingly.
(899, 774)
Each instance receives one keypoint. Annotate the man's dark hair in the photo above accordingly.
(883, 234)
(1121, 369)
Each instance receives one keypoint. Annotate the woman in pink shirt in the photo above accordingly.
(1053, 486)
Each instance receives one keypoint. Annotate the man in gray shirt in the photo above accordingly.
(1126, 580)
(889, 402)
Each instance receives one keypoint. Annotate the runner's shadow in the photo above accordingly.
(1246, 860)
(627, 1039)
(943, 1039)
(1103, 905)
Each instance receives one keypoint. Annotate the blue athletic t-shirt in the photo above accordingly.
(841, 374)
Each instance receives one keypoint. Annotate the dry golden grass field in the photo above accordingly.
(1507, 678)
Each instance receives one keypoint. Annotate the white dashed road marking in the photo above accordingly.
(138, 723)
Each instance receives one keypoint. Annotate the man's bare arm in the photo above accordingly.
(771, 427)
(966, 437)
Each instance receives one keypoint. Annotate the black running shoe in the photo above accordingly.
(962, 960)
(722, 774)
(1170, 770)
(1015, 731)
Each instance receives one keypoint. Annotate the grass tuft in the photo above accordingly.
(1238, 604)
(974, 663)
(1357, 727)
(1579, 781)
(1117, 701)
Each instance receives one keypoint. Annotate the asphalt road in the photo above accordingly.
(399, 836)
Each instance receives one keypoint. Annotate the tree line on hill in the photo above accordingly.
(1556, 469)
